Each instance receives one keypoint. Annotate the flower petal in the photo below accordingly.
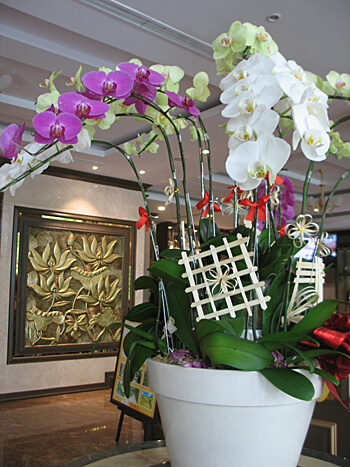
(42, 124)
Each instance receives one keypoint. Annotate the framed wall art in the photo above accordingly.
(71, 278)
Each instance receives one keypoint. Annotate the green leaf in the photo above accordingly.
(316, 317)
(275, 291)
(291, 382)
(141, 312)
(146, 282)
(233, 326)
(225, 349)
(277, 340)
(134, 362)
(327, 376)
(168, 269)
(207, 229)
(263, 241)
(218, 241)
(173, 253)
(180, 309)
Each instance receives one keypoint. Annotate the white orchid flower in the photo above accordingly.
(256, 63)
(255, 84)
(246, 103)
(262, 120)
(84, 141)
(249, 164)
(309, 130)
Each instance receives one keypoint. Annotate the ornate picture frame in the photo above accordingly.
(71, 278)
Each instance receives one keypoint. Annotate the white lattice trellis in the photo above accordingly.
(313, 276)
(222, 280)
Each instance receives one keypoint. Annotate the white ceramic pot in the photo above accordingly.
(218, 418)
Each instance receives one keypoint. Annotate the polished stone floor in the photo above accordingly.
(51, 430)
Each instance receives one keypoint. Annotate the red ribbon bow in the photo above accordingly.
(143, 219)
(260, 205)
(232, 192)
(205, 202)
(335, 333)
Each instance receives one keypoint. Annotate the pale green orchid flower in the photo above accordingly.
(136, 61)
(338, 147)
(76, 81)
(45, 101)
(142, 144)
(105, 69)
(200, 91)
(103, 123)
(194, 133)
(226, 45)
(339, 82)
(172, 74)
(223, 66)
(260, 40)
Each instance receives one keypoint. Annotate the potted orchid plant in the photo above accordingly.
(241, 301)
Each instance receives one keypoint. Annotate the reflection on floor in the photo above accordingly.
(50, 430)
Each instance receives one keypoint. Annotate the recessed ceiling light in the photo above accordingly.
(274, 17)
(161, 208)
(170, 227)
(206, 151)
(94, 167)
(141, 172)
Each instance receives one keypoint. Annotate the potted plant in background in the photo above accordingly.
(233, 320)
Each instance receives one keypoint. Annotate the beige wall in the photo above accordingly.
(52, 193)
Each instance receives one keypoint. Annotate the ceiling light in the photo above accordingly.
(318, 204)
(142, 172)
(274, 17)
(205, 151)
(5, 82)
(161, 208)
(149, 24)
(94, 167)
(170, 227)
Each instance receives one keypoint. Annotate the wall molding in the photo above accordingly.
(19, 396)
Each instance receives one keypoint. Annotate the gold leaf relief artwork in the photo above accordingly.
(74, 287)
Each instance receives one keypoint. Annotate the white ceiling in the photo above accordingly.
(41, 36)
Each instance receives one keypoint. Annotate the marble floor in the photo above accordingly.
(51, 430)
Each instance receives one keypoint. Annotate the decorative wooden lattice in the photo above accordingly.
(312, 275)
(223, 280)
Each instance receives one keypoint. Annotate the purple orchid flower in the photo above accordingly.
(116, 84)
(148, 92)
(50, 127)
(10, 141)
(82, 106)
(179, 355)
(278, 359)
(174, 100)
(141, 74)
(194, 364)
(287, 201)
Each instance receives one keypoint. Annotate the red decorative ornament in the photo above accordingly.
(143, 219)
(233, 188)
(261, 205)
(205, 202)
